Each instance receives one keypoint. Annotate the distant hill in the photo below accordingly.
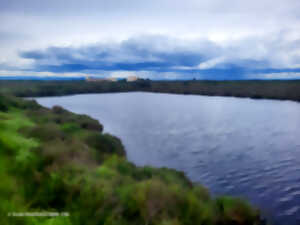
(39, 78)
(258, 89)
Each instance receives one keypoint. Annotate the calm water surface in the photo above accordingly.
(241, 147)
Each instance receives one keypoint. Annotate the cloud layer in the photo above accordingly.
(161, 54)
(158, 39)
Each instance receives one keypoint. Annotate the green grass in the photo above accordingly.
(16, 155)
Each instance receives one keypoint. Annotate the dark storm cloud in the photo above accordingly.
(146, 53)
(161, 54)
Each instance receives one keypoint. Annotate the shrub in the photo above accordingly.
(46, 132)
(70, 128)
(29, 104)
(3, 104)
(88, 123)
(58, 110)
(3, 107)
(105, 143)
(235, 211)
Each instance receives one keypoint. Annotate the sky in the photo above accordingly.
(157, 39)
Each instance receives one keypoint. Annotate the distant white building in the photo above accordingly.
(100, 79)
(131, 78)
(113, 79)
(110, 79)
(93, 79)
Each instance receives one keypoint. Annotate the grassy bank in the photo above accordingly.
(55, 161)
(283, 90)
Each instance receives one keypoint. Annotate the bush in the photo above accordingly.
(105, 143)
(70, 128)
(46, 132)
(88, 123)
(3, 107)
(29, 104)
(235, 211)
(58, 109)
(3, 104)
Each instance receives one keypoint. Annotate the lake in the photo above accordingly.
(237, 146)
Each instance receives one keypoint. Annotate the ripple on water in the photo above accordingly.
(199, 165)
(205, 175)
(253, 172)
(291, 211)
(271, 169)
(295, 193)
(280, 180)
(222, 181)
(229, 187)
(196, 151)
(245, 179)
(261, 188)
(212, 150)
(232, 172)
(284, 199)
(240, 175)
(290, 188)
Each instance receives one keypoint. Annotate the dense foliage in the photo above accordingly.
(54, 160)
(280, 89)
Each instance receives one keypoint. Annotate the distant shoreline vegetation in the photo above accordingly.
(52, 160)
(257, 89)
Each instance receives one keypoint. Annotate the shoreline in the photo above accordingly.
(165, 185)
(273, 90)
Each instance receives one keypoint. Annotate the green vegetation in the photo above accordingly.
(274, 89)
(56, 161)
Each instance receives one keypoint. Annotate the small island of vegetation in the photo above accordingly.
(56, 161)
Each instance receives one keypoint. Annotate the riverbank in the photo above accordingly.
(54, 160)
(258, 89)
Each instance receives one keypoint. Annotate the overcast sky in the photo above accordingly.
(158, 39)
